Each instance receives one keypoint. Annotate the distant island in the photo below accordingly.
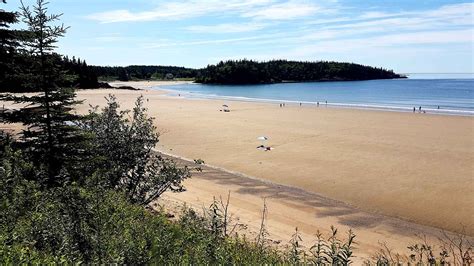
(277, 71)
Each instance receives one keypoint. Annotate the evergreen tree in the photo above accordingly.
(252, 72)
(9, 51)
(8, 42)
(50, 133)
(123, 75)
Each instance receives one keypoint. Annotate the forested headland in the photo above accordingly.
(249, 72)
(275, 71)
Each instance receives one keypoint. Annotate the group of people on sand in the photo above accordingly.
(326, 102)
(301, 104)
(421, 111)
(264, 148)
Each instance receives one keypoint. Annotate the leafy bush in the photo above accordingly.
(124, 155)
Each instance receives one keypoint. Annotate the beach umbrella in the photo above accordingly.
(262, 138)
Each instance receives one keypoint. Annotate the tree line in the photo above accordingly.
(249, 72)
(136, 72)
(18, 61)
(275, 71)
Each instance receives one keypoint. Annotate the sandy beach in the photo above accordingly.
(415, 167)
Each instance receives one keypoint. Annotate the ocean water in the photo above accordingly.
(453, 95)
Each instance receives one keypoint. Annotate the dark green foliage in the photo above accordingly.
(124, 147)
(23, 51)
(50, 136)
(450, 249)
(88, 224)
(295, 250)
(10, 51)
(77, 75)
(331, 251)
(143, 72)
(81, 75)
(252, 72)
(235, 72)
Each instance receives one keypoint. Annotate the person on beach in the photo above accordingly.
(419, 109)
(300, 104)
(438, 107)
(414, 109)
(326, 103)
(280, 105)
(317, 104)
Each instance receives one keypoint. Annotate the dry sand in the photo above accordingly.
(289, 207)
(417, 167)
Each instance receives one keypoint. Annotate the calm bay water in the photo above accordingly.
(453, 95)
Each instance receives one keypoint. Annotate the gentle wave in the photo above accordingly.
(322, 104)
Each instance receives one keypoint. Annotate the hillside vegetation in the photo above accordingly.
(253, 72)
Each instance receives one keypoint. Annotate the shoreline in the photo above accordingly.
(311, 104)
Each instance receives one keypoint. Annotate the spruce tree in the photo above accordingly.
(8, 40)
(50, 133)
(9, 50)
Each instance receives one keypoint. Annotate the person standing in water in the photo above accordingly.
(414, 109)
(419, 109)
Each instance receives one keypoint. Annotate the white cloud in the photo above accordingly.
(401, 41)
(204, 42)
(178, 10)
(227, 28)
(448, 17)
(447, 24)
(284, 11)
(256, 9)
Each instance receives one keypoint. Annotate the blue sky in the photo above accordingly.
(404, 35)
